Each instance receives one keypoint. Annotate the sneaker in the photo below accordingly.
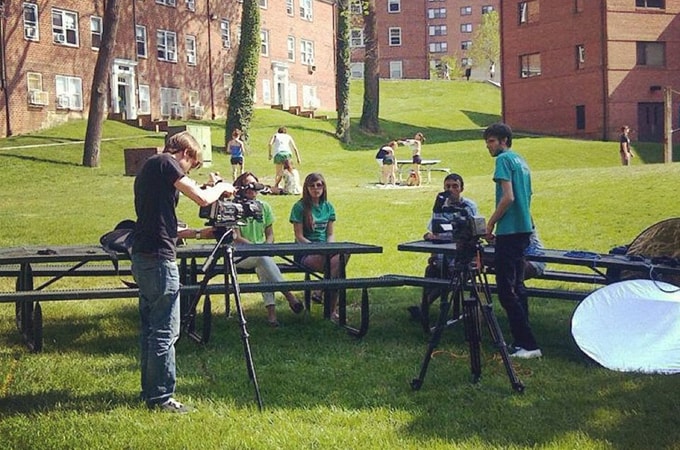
(523, 353)
(173, 406)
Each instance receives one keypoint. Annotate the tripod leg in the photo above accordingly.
(230, 274)
(480, 285)
(473, 336)
(444, 306)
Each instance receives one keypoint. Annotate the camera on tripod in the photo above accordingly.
(457, 224)
(231, 212)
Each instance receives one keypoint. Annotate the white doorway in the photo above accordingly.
(123, 92)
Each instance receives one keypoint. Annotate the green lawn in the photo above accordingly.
(322, 388)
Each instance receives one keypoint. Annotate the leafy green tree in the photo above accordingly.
(100, 85)
(240, 108)
(369, 116)
(486, 41)
(342, 76)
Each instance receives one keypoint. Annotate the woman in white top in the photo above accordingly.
(416, 145)
(291, 179)
(283, 147)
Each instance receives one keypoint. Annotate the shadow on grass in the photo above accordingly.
(34, 159)
(45, 401)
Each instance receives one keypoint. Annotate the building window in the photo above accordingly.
(438, 47)
(436, 13)
(195, 107)
(394, 36)
(466, 10)
(466, 62)
(64, 27)
(466, 28)
(290, 9)
(356, 37)
(530, 65)
(291, 48)
(166, 45)
(661, 4)
(651, 54)
(96, 31)
(171, 103)
(266, 92)
(190, 42)
(36, 95)
(306, 9)
(264, 42)
(356, 70)
(31, 31)
(528, 12)
(227, 82)
(306, 52)
(356, 7)
(486, 9)
(262, 3)
(167, 2)
(140, 39)
(225, 33)
(191, 5)
(396, 70)
(580, 117)
(580, 56)
(465, 45)
(69, 92)
(393, 6)
(144, 99)
(437, 30)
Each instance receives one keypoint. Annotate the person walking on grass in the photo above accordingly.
(237, 149)
(624, 146)
(281, 147)
(510, 227)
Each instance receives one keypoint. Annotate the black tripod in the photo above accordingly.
(466, 275)
(230, 278)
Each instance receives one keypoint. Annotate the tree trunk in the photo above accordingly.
(100, 84)
(369, 115)
(342, 61)
(240, 108)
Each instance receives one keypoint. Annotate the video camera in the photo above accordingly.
(230, 212)
(455, 223)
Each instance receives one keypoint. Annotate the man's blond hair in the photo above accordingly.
(184, 141)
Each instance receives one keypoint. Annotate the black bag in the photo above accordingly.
(119, 240)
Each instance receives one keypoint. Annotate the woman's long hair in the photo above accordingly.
(307, 203)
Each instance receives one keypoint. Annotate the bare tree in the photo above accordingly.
(369, 114)
(98, 95)
(240, 108)
(342, 76)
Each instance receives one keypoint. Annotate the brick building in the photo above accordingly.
(173, 58)
(584, 68)
(414, 35)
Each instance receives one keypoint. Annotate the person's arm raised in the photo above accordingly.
(203, 196)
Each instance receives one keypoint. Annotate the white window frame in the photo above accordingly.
(394, 36)
(290, 8)
(396, 70)
(171, 102)
(264, 42)
(267, 92)
(166, 45)
(306, 12)
(466, 28)
(438, 47)
(466, 10)
(31, 29)
(290, 44)
(36, 95)
(225, 33)
(436, 13)
(141, 41)
(192, 50)
(356, 7)
(307, 52)
(66, 32)
(69, 92)
(172, 3)
(356, 70)
(356, 38)
(96, 29)
(144, 98)
(262, 4)
(437, 30)
(486, 9)
(580, 56)
(465, 45)
(191, 5)
(393, 6)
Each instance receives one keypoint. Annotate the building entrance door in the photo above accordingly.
(650, 122)
(124, 97)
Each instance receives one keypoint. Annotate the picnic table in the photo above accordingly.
(59, 263)
(428, 165)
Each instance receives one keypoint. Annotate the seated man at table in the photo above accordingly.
(258, 232)
(439, 230)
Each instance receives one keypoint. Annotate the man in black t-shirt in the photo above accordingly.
(157, 189)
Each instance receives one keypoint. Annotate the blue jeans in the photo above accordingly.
(158, 281)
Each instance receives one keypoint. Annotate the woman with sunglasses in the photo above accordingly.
(313, 219)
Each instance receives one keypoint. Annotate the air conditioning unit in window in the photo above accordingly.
(63, 102)
(176, 111)
(30, 33)
(59, 38)
(191, 59)
(38, 98)
(197, 111)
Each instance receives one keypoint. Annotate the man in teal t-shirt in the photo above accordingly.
(513, 226)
